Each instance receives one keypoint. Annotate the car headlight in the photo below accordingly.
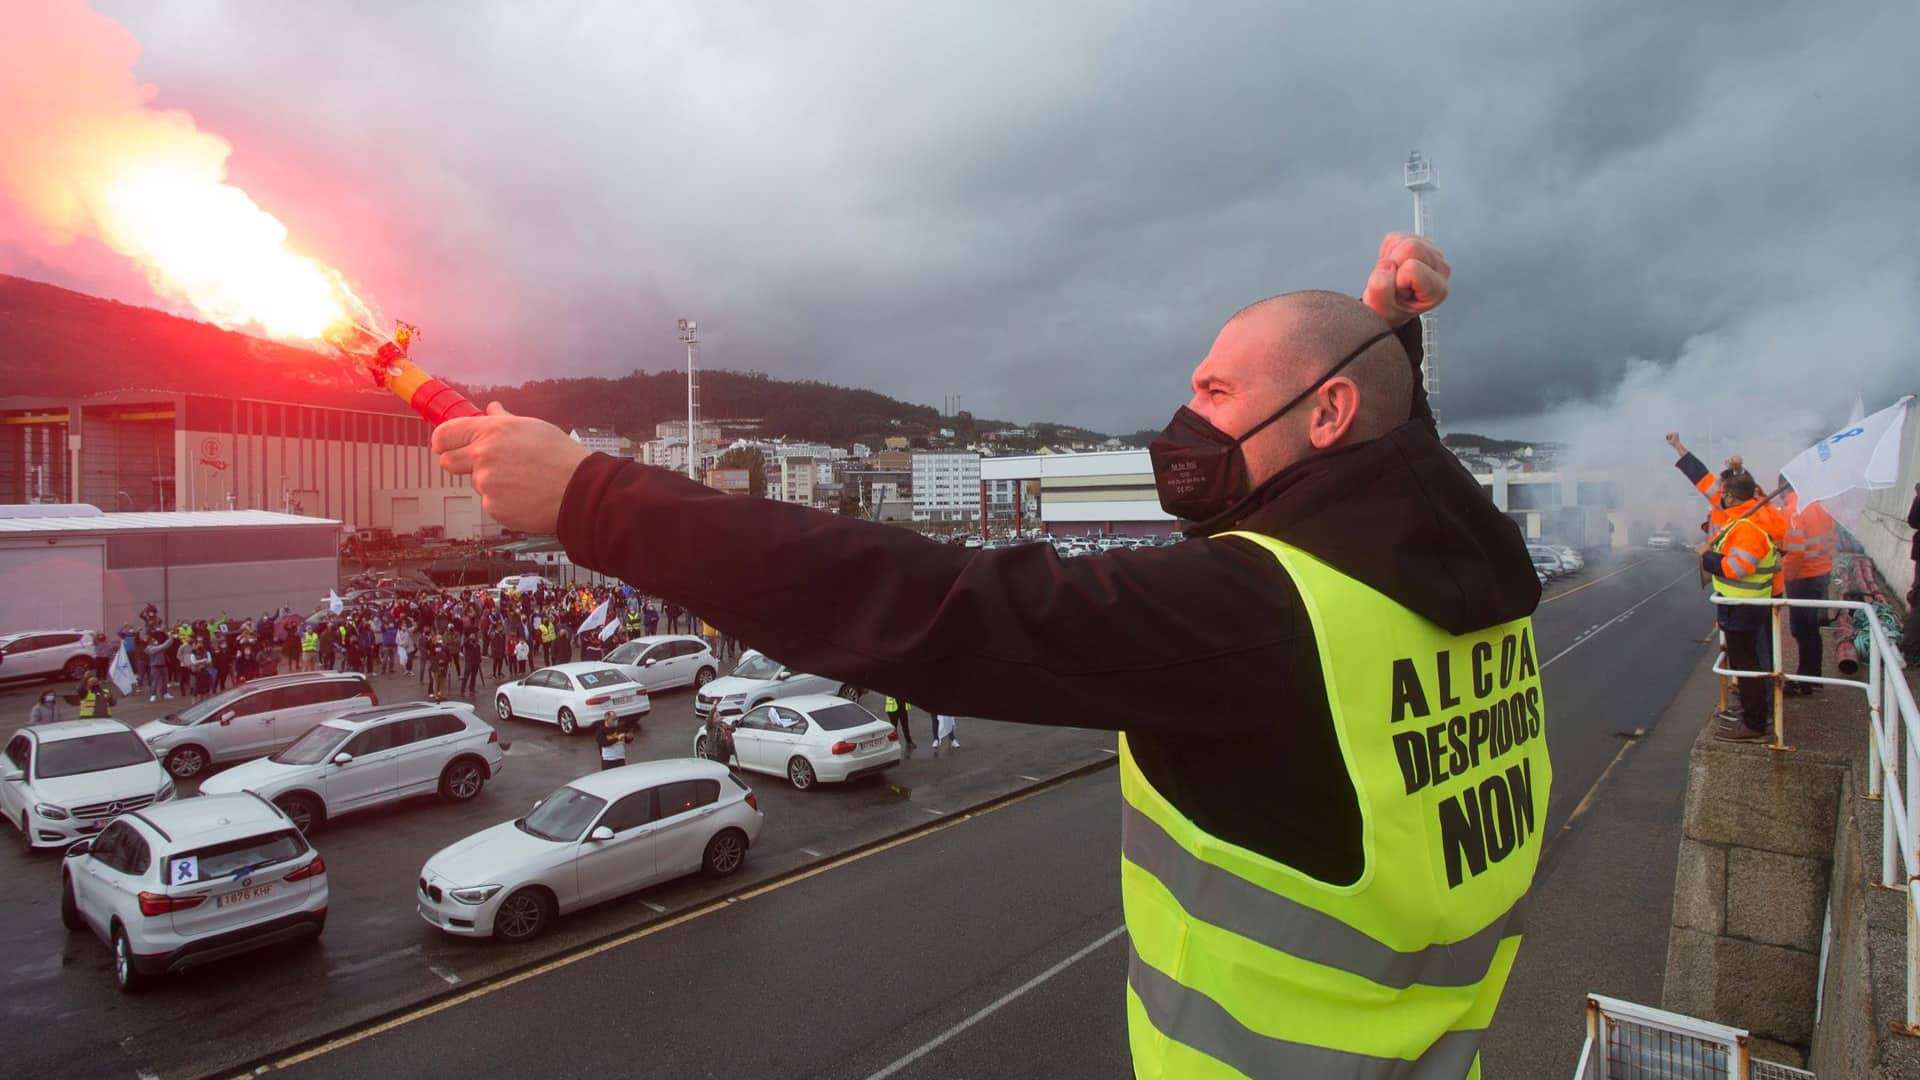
(166, 792)
(478, 894)
(50, 811)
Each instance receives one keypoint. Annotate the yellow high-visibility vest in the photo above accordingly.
(1244, 966)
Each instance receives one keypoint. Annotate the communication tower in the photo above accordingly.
(690, 337)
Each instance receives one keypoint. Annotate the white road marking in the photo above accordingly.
(1005, 999)
(1590, 584)
(370, 962)
(931, 810)
(655, 906)
(810, 851)
(1031, 779)
(1595, 632)
(1104, 750)
(450, 977)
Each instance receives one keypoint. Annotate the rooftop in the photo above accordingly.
(159, 521)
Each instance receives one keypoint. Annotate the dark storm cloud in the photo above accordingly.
(1049, 209)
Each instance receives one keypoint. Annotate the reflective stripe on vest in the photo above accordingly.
(1757, 584)
(1244, 966)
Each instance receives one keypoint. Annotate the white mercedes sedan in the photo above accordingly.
(604, 835)
(573, 696)
(810, 739)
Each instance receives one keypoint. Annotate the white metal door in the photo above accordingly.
(53, 584)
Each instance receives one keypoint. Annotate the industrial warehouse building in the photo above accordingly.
(154, 451)
(1074, 494)
(73, 567)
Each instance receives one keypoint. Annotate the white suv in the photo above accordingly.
(47, 654)
(60, 782)
(174, 886)
(258, 718)
(758, 679)
(375, 756)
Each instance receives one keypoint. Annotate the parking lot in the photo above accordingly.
(64, 1017)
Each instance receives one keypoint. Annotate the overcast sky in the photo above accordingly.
(1049, 208)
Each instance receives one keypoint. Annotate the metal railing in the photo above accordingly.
(1626, 1041)
(1894, 737)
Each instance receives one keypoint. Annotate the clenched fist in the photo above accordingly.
(520, 466)
(1409, 279)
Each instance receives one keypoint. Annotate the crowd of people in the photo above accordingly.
(443, 638)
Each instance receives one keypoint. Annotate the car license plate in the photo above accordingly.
(623, 699)
(242, 896)
(871, 745)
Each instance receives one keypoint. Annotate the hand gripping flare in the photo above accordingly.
(386, 361)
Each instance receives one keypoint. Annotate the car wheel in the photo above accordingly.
(705, 676)
(187, 762)
(725, 852)
(523, 916)
(700, 747)
(301, 810)
(502, 707)
(800, 773)
(462, 780)
(77, 668)
(850, 692)
(568, 725)
(69, 907)
(125, 975)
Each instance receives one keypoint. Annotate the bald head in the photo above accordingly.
(1306, 333)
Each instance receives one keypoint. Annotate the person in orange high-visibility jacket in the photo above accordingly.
(1741, 554)
(1807, 565)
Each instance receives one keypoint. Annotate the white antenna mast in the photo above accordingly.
(1419, 180)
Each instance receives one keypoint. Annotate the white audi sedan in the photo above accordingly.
(370, 757)
(573, 695)
(63, 782)
(810, 739)
(604, 835)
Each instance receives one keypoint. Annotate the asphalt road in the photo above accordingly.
(63, 1017)
(991, 946)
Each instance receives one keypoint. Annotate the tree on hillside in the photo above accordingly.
(754, 462)
(850, 503)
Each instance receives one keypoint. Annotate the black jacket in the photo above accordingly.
(1913, 522)
(1202, 652)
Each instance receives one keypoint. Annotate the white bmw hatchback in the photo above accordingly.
(604, 835)
(573, 696)
(370, 757)
(809, 740)
(171, 887)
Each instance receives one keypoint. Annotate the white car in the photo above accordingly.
(758, 679)
(62, 782)
(176, 886)
(573, 695)
(1660, 540)
(1569, 556)
(261, 717)
(370, 757)
(820, 738)
(660, 661)
(604, 835)
(47, 654)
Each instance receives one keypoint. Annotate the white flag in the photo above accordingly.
(598, 616)
(1864, 455)
(334, 603)
(607, 631)
(121, 670)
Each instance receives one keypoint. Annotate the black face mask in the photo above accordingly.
(1200, 471)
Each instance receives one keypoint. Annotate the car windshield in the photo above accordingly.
(193, 714)
(235, 858)
(594, 680)
(757, 667)
(315, 746)
(563, 816)
(842, 717)
(90, 753)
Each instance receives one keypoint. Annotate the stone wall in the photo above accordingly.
(1756, 852)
